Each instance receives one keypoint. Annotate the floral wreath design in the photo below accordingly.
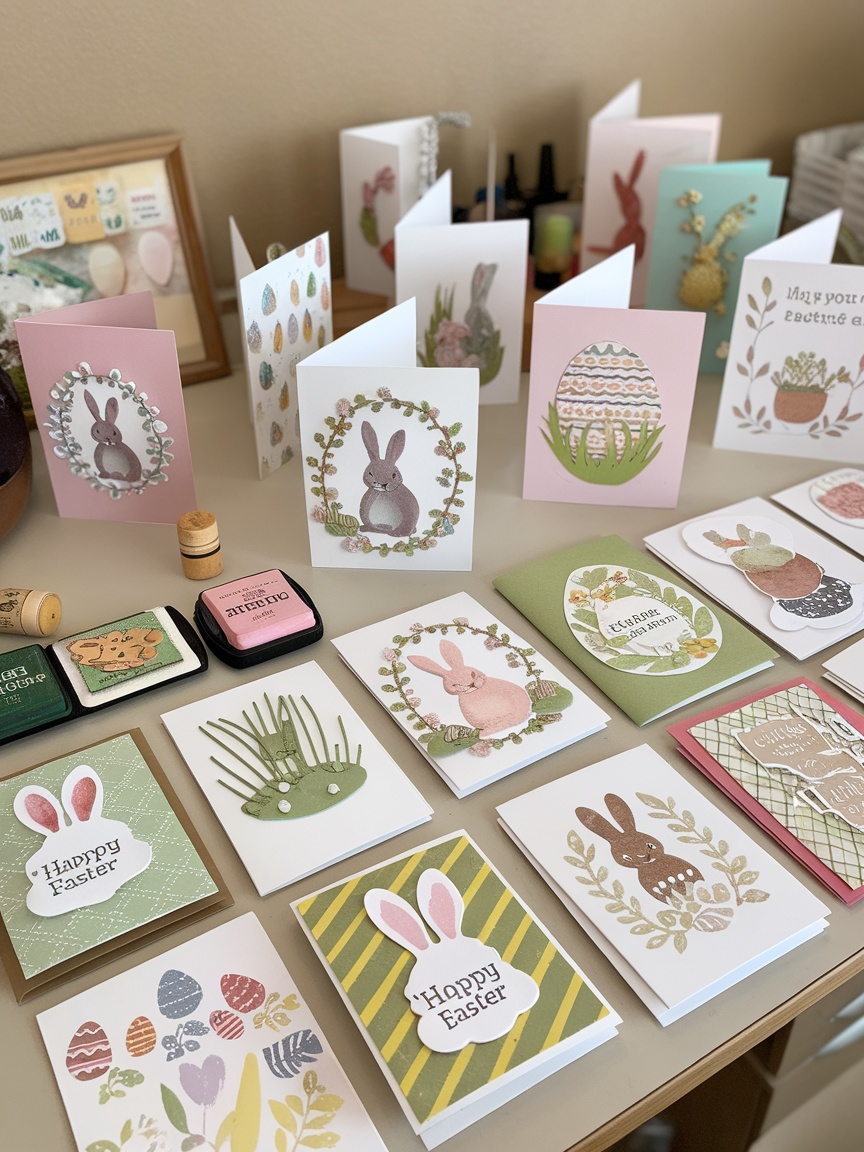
(704, 909)
(548, 699)
(452, 476)
(59, 425)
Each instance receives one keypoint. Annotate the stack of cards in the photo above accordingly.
(677, 897)
(847, 670)
(625, 621)
(461, 1021)
(832, 502)
(793, 758)
(296, 778)
(478, 702)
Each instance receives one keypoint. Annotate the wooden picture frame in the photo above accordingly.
(64, 214)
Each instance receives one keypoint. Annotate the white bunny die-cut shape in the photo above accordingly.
(461, 989)
(84, 861)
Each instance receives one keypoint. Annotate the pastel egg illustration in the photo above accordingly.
(301, 251)
(325, 295)
(268, 300)
(275, 434)
(307, 327)
(107, 270)
(295, 293)
(242, 993)
(322, 336)
(226, 1024)
(284, 399)
(311, 285)
(89, 1054)
(278, 338)
(606, 401)
(265, 375)
(253, 337)
(320, 252)
(178, 995)
(293, 329)
(140, 1036)
(156, 256)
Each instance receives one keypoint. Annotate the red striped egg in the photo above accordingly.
(140, 1036)
(242, 992)
(89, 1054)
(226, 1024)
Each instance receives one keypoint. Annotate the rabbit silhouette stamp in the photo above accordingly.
(82, 862)
(461, 989)
(387, 506)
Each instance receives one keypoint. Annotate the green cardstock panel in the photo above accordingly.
(175, 877)
(537, 590)
(166, 653)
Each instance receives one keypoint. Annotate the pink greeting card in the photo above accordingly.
(105, 386)
(611, 393)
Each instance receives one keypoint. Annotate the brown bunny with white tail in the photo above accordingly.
(388, 506)
(631, 231)
(114, 460)
(658, 873)
(486, 702)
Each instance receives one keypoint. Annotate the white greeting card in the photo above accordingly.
(478, 702)
(677, 897)
(832, 502)
(798, 589)
(285, 313)
(382, 175)
(847, 670)
(389, 452)
(296, 778)
(794, 379)
(625, 156)
(209, 1045)
(469, 284)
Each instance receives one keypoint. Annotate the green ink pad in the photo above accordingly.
(31, 694)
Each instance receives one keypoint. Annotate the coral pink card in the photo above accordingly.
(105, 386)
(611, 393)
(792, 757)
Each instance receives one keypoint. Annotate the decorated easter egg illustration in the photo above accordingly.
(311, 285)
(301, 251)
(89, 1054)
(140, 1036)
(284, 398)
(307, 326)
(275, 434)
(277, 338)
(320, 252)
(253, 337)
(295, 293)
(322, 336)
(226, 1024)
(325, 295)
(242, 993)
(265, 376)
(268, 300)
(293, 329)
(178, 995)
(606, 401)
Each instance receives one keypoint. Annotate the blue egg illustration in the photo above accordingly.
(178, 995)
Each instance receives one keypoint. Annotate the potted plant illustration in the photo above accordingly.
(802, 384)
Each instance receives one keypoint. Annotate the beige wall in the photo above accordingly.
(260, 89)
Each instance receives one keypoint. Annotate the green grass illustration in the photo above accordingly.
(571, 449)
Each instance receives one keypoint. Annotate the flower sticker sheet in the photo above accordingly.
(477, 701)
(381, 169)
(286, 314)
(105, 387)
(462, 1023)
(296, 778)
(625, 156)
(389, 452)
(799, 590)
(833, 503)
(468, 281)
(611, 393)
(645, 639)
(709, 217)
(794, 379)
(208, 1045)
(680, 900)
(792, 758)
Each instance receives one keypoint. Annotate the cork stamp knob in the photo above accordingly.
(200, 551)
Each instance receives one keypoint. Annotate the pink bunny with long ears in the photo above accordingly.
(487, 703)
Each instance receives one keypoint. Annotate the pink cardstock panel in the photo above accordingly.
(120, 333)
(697, 755)
(668, 342)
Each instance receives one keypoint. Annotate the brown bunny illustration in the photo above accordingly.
(658, 872)
(114, 460)
(631, 231)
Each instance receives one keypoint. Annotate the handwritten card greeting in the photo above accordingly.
(469, 284)
(709, 217)
(389, 452)
(611, 393)
(622, 168)
(794, 380)
(285, 314)
(105, 387)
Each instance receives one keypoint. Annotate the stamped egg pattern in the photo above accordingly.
(89, 1055)
(140, 1036)
(178, 995)
(265, 375)
(278, 339)
(226, 1025)
(243, 993)
(268, 300)
(605, 421)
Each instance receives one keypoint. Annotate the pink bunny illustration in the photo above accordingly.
(461, 989)
(388, 506)
(114, 460)
(82, 862)
(657, 872)
(631, 231)
(487, 703)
